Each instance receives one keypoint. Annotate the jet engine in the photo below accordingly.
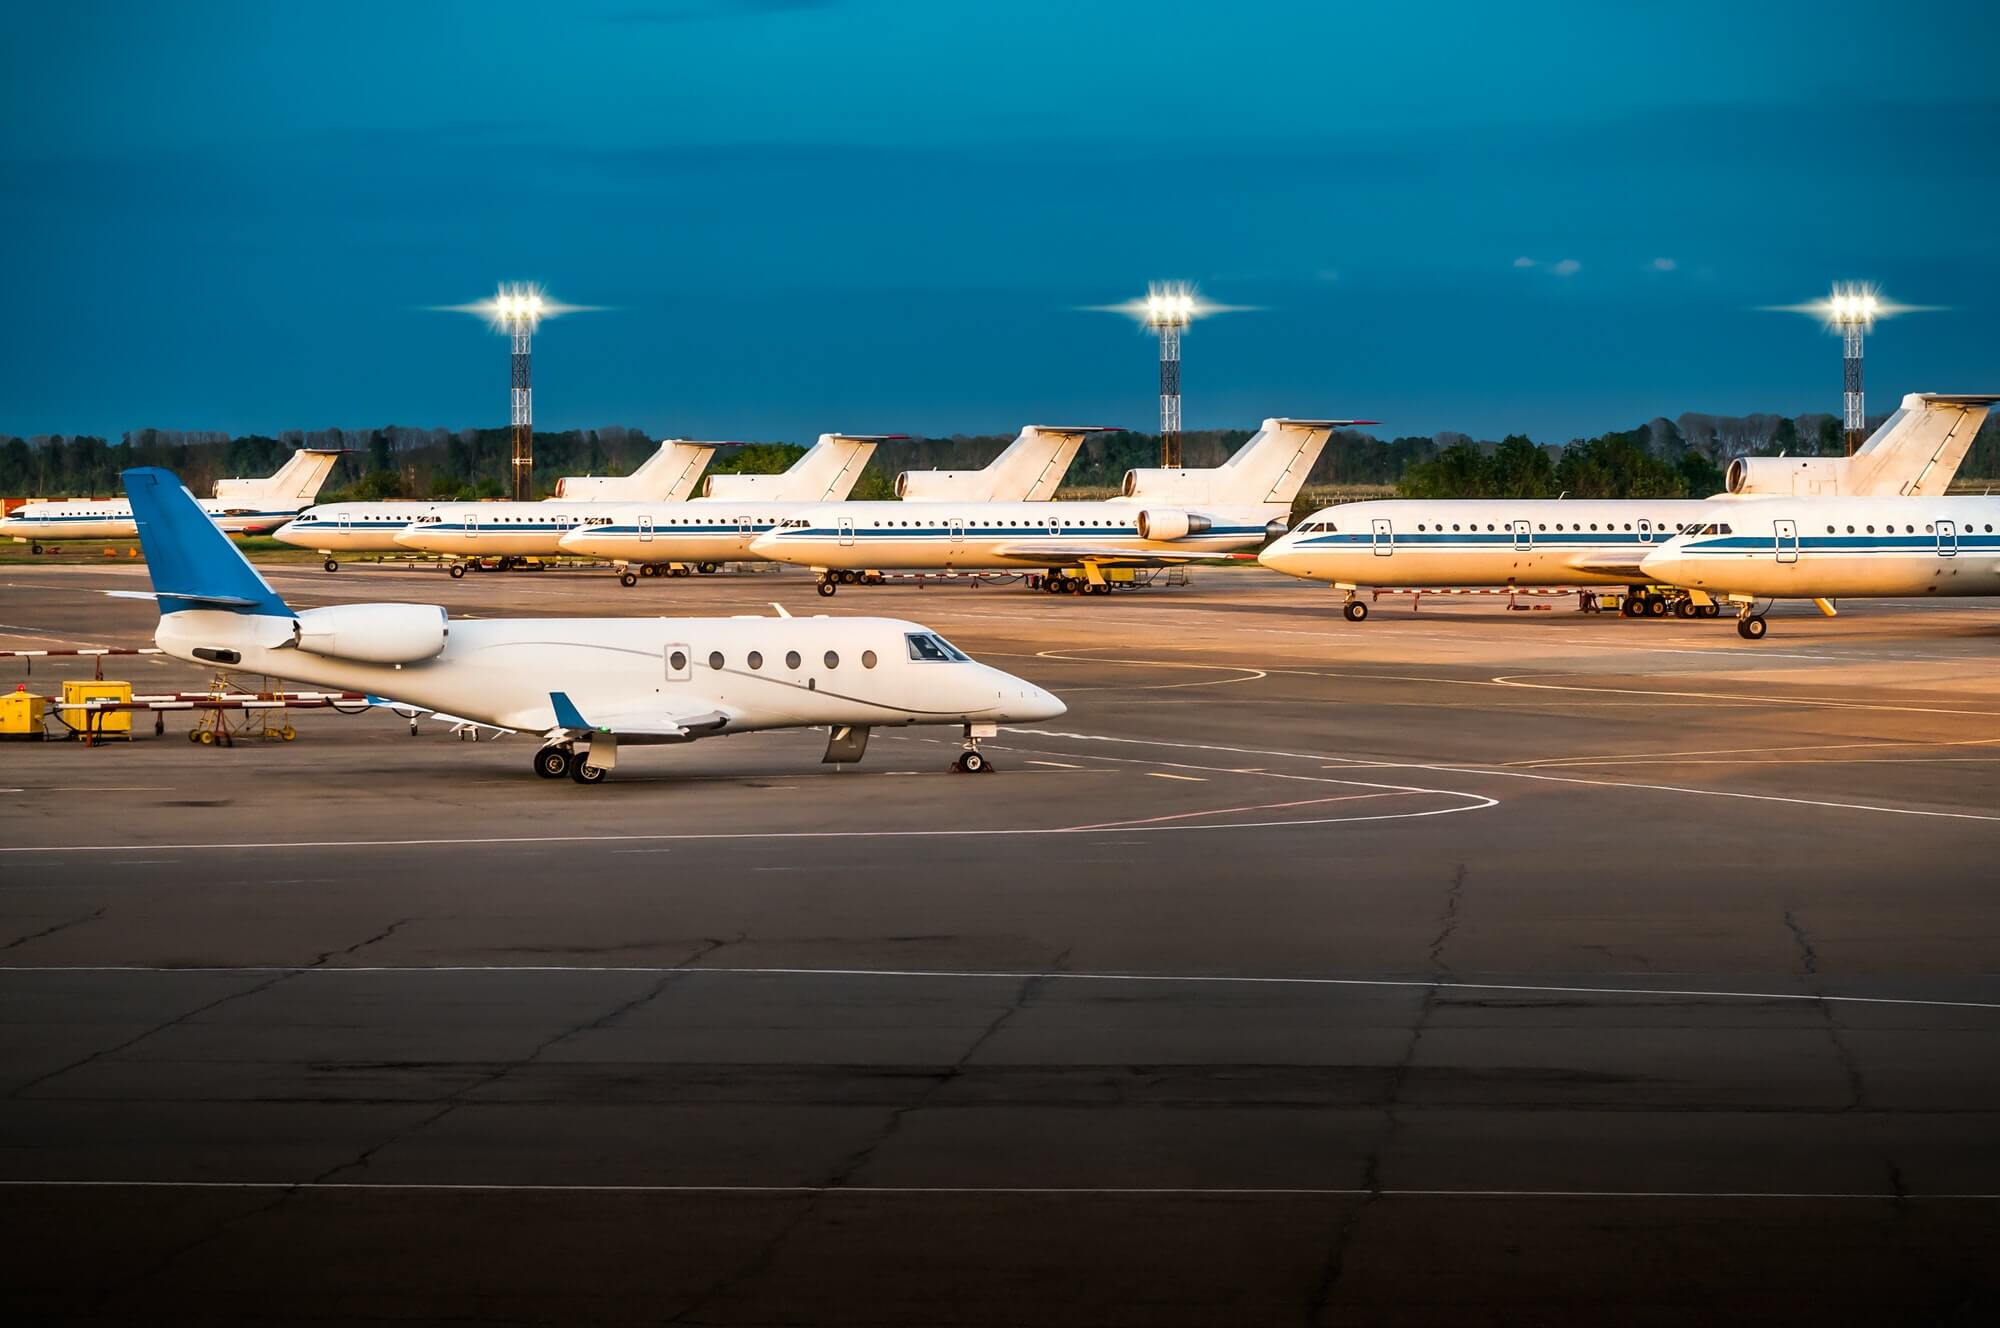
(375, 633)
(1805, 477)
(1172, 525)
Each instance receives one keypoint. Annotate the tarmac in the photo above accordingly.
(1458, 966)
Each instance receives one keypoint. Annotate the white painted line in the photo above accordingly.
(947, 1191)
(1161, 774)
(995, 975)
(1060, 765)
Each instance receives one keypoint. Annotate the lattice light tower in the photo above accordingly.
(1169, 310)
(517, 309)
(1852, 309)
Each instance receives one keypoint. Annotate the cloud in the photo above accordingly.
(1664, 265)
(1568, 267)
(1524, 262)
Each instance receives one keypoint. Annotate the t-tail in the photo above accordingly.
(1028, 471)
(1267, 471)
(294, 484)
(827, 473)
(193, 565)
(667, 476)
(1914, 454)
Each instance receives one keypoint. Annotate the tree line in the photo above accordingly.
(1660, 459)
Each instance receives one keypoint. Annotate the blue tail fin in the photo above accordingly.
(192, 563)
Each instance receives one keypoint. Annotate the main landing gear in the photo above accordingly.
(1059, 582)
(831, 581)
(331, 565)
(559, 759)
(1639, 602)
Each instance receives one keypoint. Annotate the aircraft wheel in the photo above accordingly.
(827, 587)
(682, 571)
(1752, 628)
(1684, 608)
(1355, 610)
(288, 733)
(627, 579)
(457, 571)
(553, 762)
(583, 772)
(707, 569)
(194, 735)
(1631, 606)
(972, 763)
(1656, 606)
(37, 548)
(1711, 610)
(330, 564)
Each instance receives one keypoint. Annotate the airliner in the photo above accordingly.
(1571, 542)
(827, 472)
(589, 685)
(1162, 517)
(240, 506)
(371, 527)
(645, 538)
(1845, 548)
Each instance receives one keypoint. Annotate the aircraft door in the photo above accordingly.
(847, 532)
(744, 531)
(1645, 531)
(1523, 536)
(680, 662)
(645, 529)
(957, 531)
(1384, 537)
(1786, 540)
(472, 525)
(1947, 533)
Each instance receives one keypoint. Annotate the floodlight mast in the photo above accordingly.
(1168, 312)
(520, 310)
(1853, 312)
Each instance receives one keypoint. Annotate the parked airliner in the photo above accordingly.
(827, 472)
(698, 532)
(589, 685)
(1162, 517)
(1844, 548)
(1572, 542)
(372, 527)
(240, 506)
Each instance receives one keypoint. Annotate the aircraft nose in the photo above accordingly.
(1280, 557)
(1042, 703)
(1666, 566)
(289, 533)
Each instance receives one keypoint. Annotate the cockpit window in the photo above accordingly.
(932, 647)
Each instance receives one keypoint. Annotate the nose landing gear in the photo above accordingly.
(972, 761)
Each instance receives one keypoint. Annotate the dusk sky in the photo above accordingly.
(883, 216)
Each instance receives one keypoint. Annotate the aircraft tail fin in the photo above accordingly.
(1034, 464)
(667, 476)
(192, 563)
(1272, 467)
(297, 482)
(1920, 447)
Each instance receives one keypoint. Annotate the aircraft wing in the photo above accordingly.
(1107, 555)
(640, 725)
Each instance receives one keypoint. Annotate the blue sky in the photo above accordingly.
(886, 216)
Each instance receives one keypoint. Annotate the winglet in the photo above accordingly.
(783, 612)
(566, 712)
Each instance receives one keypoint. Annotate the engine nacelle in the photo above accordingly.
(375, 633)
(1803, 477)
(748, 488)
(919, 486)
(1172, 525)
(1170, 486)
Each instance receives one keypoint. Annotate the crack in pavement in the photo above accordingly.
(60, 926)
(1335, 1265)
(844, 1173)
(1857, 1095)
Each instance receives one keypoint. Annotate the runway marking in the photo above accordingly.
(997, 1191)
(1543, 762)
(1075, 655)
(1359, 763)
(1061, 765)
(1521, 680)
(1161, 774)
(1230, 811)
(997, 975)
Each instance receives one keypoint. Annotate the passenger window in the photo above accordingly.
(715, 659)
(832, 660)
(791, 659)
(755, 660)
(867, 659)
(678, 660)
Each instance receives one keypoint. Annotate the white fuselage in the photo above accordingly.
(1839, 547)
(701, 530)
(1482, 542)
(997, 536)
(111, 518)
(356, 527)
(763, 673)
